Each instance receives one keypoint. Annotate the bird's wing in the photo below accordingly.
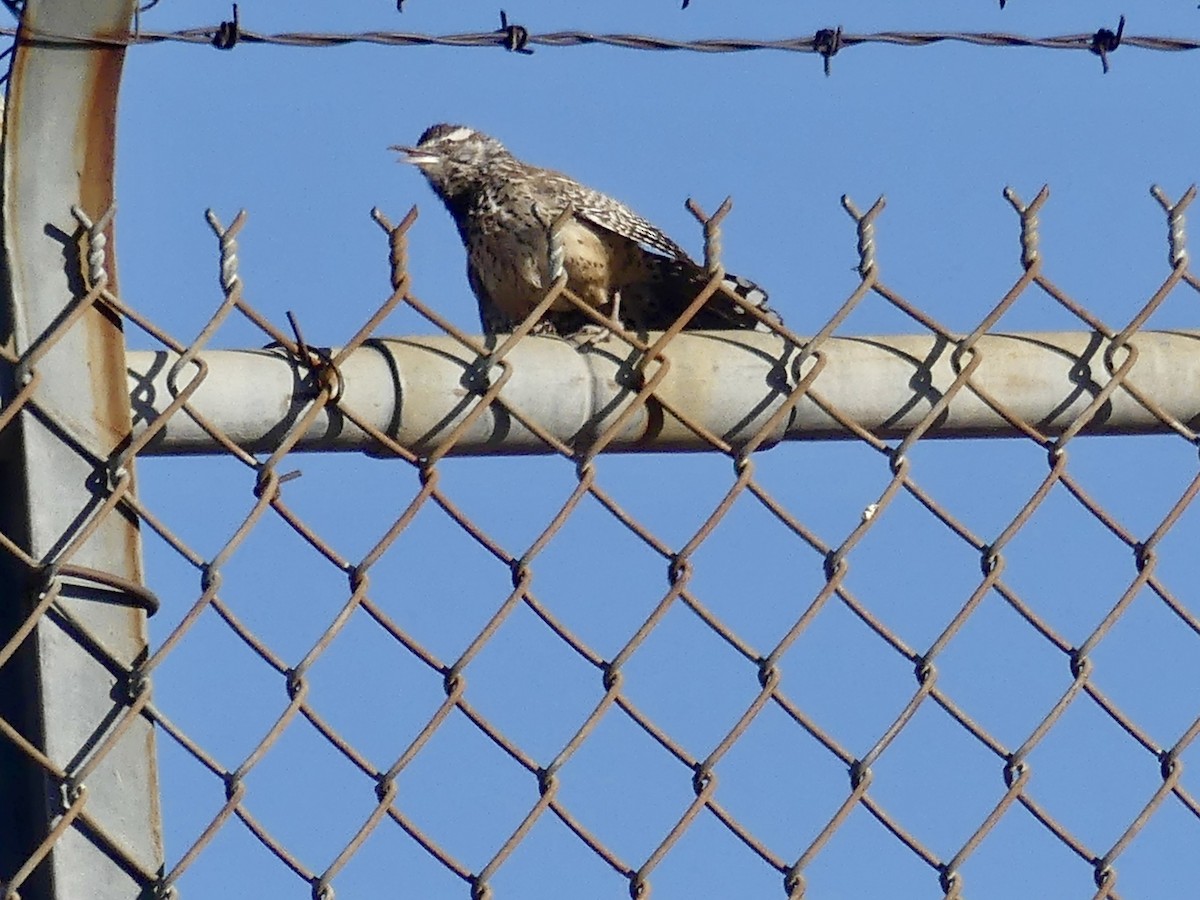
(613, 215)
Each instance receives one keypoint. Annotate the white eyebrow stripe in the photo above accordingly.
(458, 134)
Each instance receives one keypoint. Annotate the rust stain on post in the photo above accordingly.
(96, 134)
(95, 144)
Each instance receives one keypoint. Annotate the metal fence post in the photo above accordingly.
(78, 783)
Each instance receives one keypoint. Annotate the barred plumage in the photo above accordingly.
(616, 261)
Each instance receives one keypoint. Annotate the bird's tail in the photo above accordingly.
(671, 287)
(754, 296)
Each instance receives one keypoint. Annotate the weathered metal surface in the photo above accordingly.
(60, 689)
(416, 390)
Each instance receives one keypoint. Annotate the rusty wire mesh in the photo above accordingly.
(561, 706)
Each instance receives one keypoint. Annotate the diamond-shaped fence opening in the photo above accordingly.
(583, 673)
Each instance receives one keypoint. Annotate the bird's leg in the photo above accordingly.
(615, 315)
(594, 332)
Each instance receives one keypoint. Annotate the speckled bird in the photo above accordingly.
(615, 260)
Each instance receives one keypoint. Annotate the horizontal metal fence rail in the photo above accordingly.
(729, 383)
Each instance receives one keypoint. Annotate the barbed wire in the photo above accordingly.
(825, 42)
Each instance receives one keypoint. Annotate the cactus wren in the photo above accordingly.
(616, 261)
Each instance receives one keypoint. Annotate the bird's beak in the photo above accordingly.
(413, 155)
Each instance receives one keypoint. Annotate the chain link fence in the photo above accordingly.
(634, 671)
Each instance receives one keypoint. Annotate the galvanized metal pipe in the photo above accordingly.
(418, 389)
(62, 689)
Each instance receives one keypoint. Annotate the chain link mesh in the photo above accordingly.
(451, 659)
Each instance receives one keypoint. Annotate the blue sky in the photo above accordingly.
(298, 137)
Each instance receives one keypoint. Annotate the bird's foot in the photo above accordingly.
(544, 328)
(591, 334)
(595, 333)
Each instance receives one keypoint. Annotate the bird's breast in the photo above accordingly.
(512, 262)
